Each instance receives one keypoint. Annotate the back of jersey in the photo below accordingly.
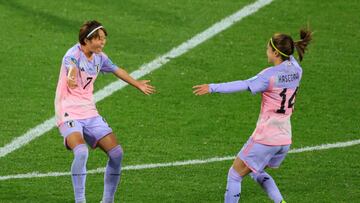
(274, 127)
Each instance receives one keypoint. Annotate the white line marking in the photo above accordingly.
(142, 71)
(177, 163)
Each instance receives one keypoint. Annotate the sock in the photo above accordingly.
(112, 174)
(233, 187)
(268, 184)
(78, 172)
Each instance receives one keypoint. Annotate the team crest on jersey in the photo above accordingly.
(71, 124)
(82, 69)
(73, 60)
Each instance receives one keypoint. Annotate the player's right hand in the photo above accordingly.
(201, 89)
(71, 81)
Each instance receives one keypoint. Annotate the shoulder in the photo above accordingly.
(72, 55)
(73, 52)
(267, 72)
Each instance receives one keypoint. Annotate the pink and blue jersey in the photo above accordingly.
(278, 86)
(78, 103)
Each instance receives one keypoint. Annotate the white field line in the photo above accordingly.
(225, 23)
(177, 163)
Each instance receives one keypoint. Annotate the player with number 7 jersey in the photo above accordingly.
(78, 102)
(76, 115)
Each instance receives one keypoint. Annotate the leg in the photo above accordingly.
(77, 144)
(268, 184)
(113, 168)
(233, 187)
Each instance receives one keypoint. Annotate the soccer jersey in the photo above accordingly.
(78, 103)
(278, 85)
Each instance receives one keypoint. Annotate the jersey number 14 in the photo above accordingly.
(283, 101)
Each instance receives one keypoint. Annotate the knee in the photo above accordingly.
(234, 175)
(81, 152)
(260, 177)
(116, 153)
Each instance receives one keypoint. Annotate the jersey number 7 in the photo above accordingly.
(290, 102)
(89, 79)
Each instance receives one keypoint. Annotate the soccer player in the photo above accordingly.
(76, 115)
(271, 140)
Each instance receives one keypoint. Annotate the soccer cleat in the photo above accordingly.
(282, 201)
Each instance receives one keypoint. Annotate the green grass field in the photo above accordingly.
(173, 124)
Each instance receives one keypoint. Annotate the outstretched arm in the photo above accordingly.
(228, 87)
(142, 85)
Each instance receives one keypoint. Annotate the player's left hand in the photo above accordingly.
(201, 89)
(145, 87)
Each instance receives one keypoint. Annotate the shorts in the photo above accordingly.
(258, 156)
(92, 129)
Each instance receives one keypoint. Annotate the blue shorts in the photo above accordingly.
(92, 129)
(258, 156)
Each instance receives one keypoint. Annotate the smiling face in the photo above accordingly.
(96, 44)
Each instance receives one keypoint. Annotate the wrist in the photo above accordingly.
(212, 88)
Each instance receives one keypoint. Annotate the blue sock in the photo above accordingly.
(233, 187)
(268, 184)
(78, 171)
(112, 174)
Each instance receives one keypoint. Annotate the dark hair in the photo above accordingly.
(86, 28)
(285, 44)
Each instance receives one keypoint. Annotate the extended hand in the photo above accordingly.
(145, 87)
(201, 89)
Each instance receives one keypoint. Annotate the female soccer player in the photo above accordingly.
(76, 114)
(270, 142)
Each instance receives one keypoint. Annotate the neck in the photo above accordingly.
(86, 51)
(277, 61)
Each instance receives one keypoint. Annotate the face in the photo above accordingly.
(271, 55)
(96, 45)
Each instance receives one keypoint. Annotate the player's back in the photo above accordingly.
(277, 104)
(284, 80)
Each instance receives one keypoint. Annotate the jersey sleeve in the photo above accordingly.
(70, 61)
(229, 87)
(107, 65)
(258, 83)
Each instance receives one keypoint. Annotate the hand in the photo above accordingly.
(71, 78)
(71, 82)
(201, 89)
(145, 87)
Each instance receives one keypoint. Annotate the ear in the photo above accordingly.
(87, 41)
(276, 53)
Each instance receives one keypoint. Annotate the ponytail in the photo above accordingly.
(305, 38)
